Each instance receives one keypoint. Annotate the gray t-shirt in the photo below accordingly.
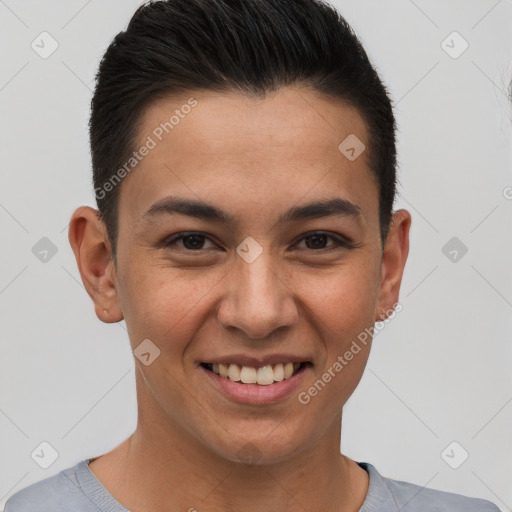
(77, 489)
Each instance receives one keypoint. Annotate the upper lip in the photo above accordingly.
(245, 360)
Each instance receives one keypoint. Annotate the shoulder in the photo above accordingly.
(57, 493)
(411, 497)
(408, 497)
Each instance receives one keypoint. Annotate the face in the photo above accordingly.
(254, 276)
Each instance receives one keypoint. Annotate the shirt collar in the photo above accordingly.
(379, 497)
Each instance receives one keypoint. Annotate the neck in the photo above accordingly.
(162, 467)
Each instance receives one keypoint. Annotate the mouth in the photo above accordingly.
(263, 375)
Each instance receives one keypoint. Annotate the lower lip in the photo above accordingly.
(256, 393)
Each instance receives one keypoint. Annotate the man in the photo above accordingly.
(244, 166)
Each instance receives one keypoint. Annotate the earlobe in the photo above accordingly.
(88, 238)
(394, 257)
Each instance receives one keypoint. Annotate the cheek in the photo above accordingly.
(345, 302)
(163, 305)
(344, 310)
(344, 315)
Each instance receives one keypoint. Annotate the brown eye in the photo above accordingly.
(190, 241)
(318, 241)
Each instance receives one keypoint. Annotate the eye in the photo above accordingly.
(191, 241)
(319, 239)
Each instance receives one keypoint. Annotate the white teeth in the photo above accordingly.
(234, 372)
(248, 375)
(223, 370)
(263, 375)
(278, 372)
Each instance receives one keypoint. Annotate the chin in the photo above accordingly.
(259, 449)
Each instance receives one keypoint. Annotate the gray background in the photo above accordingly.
(438, 373)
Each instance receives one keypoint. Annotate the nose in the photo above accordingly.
(258, 300)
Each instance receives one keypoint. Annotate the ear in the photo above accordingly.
(396, 250)
(89, 240)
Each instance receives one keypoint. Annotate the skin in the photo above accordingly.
(253, 158)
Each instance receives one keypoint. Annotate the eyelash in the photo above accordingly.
(338, 242)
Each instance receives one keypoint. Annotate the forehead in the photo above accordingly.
(224, 123)
(250, 152)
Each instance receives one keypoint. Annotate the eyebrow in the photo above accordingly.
(200, 210)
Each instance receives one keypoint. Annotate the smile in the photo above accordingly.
(262, 375)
